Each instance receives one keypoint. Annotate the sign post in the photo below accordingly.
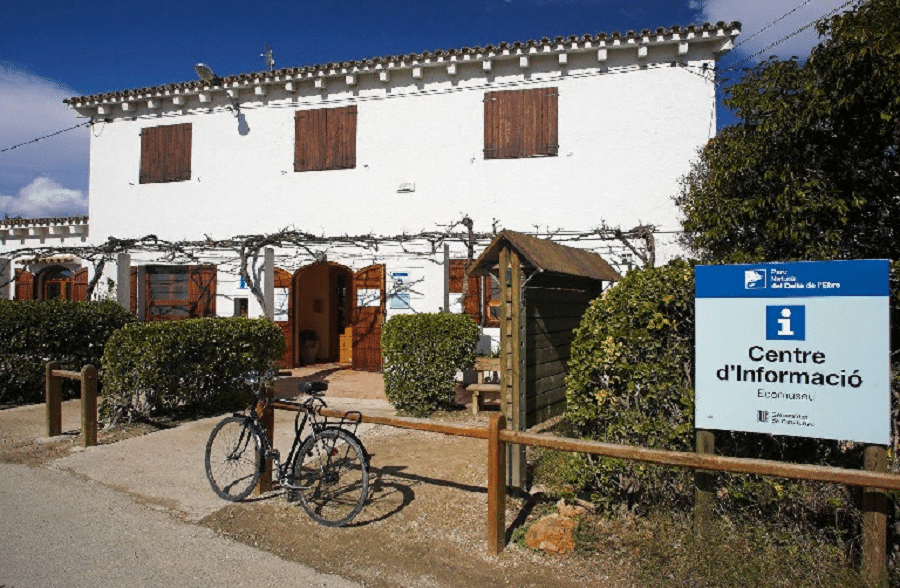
(800, 349)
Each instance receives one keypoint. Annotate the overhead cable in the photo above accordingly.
(84, 124)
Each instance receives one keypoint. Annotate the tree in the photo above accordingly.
(811, 170)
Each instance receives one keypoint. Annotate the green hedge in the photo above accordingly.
(33, 332)
(422, 353)
(196, 365)
(631, 382)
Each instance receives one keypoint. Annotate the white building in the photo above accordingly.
(553, 137)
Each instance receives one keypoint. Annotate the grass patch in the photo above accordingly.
(665, 552)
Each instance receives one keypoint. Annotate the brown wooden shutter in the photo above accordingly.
(469, 286)
(24, 285)
(491, 125)
(310, 140)
(151, 156)
(178, 153)
(550, 123)
(203, 290)
(341, 138)
(80, 285)
(325, 138)
(520, 123)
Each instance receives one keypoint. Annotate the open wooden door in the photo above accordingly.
(367, 317)
(24, 285)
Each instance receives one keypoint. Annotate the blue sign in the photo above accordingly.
(798, 348)
(785, 323)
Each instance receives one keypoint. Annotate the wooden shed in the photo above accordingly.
(544, 290)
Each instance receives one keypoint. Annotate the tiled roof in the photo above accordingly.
(660, 35)
(43, 222)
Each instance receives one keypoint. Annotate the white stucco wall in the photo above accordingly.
(627, 131)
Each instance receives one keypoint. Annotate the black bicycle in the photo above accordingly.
(328, 470)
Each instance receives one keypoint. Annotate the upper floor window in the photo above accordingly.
(325, 138)
(166, 154)
(520, 123)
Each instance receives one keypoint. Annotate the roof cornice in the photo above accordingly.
(721, 34)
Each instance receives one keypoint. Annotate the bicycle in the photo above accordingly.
(328, 470)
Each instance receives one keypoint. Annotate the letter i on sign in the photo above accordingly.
(786, 323)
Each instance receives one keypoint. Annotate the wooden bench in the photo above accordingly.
(482, 365)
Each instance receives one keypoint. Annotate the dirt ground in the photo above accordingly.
(425, 521)
(423, 525)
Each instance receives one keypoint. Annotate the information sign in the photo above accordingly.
(797, 349)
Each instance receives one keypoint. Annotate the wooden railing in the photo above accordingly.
(497, 436)
(88, 378)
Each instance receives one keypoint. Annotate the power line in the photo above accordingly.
(44, 137)
(786, 37)
(774, 22)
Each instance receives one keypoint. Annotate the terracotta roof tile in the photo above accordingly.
(408, 58)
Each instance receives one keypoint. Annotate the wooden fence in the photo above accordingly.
(873, 479)
(88, 378)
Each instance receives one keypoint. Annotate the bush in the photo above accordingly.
(154, 369)
(33, 332)
(422, 354)
(631, 382)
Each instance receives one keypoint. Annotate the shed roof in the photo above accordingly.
(546, 256)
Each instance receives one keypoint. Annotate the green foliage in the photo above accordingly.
(631, 382)
(422, 353)
(157, 368)
(810, 170)
(33, 332)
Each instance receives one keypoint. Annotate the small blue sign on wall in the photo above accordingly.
(798, 348)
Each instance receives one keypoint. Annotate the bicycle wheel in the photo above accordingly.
(332, 477)
(233, 457)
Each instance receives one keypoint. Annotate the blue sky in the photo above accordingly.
(51, 50)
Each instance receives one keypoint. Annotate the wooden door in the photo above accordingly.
(24, 285)
(367, 317)
(80, 287)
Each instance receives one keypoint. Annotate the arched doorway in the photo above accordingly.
(320, 302)
(55, 282)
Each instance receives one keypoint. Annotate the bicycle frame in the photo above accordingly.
(308, 410)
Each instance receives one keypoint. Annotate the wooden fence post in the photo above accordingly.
(88, 406)
(704, 490)
(54, 400)
(496, 526)
(268, 420)
(874, 556)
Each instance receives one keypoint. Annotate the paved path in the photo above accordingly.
(124, 514)
(58, 529)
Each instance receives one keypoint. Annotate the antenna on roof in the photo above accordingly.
(269, 58)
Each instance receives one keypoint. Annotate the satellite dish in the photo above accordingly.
(206, 74)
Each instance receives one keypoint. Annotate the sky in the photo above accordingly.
(51, 50)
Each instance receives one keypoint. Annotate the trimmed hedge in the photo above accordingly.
(422, 353)
(196, 365)
(33, 332)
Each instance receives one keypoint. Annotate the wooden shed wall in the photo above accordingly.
(551, 317)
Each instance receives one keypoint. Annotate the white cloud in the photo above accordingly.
(44, 198)
(31, 107)
(758, 17)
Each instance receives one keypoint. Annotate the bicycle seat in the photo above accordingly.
(312, 388)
